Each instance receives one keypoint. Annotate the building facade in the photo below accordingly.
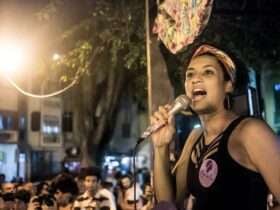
(31, 137)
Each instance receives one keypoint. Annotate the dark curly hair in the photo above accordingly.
(65, 183)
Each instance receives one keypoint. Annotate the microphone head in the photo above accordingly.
(181, 103)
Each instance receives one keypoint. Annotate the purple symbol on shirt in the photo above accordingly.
(208, 172)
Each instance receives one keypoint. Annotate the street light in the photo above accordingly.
(11, 56)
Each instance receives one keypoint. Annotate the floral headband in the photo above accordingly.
(221, 56)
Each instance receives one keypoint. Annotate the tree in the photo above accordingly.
(104, 46)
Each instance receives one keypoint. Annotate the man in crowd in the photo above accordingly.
(93, 197)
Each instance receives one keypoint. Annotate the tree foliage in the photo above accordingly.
(102, 45)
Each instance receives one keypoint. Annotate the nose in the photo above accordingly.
(196, 79)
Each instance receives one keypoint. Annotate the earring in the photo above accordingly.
(228, 101)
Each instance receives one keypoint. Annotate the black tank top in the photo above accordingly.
(218, 182)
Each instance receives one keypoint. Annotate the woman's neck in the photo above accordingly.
(214, 124)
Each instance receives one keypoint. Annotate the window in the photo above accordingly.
(50, 129)
(67, 122)
(35, 121)
(8, 120)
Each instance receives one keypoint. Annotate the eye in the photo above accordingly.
(189, 75)
(209, 72)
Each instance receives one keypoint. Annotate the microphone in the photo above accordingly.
(181, 103)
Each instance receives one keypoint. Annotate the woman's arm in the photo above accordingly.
(161, 140)
(162, 175)
(263, 149)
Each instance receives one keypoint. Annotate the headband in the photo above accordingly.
(221, 56)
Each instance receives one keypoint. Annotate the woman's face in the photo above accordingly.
(205, 85)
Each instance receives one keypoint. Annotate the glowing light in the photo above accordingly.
(11, 56)
(56, 129)
(56, 56)
(277, 87)
(125, 160)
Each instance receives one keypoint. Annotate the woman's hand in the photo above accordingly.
(163, 136)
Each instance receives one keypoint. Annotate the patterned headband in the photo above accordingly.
(221, 56)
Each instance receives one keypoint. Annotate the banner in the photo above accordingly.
(179, 22)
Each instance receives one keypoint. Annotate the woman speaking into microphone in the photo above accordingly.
(231, 162)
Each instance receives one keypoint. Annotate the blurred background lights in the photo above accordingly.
(277, 87)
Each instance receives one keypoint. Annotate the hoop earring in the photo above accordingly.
(228, 101)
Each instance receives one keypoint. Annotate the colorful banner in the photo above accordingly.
(179, 22)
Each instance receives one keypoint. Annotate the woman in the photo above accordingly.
(229, 162)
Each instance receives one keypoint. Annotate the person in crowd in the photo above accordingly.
(92, 198)
(42, 199)
(228, 163)
(7, 200)
(22, 196)
(8, 187)
(80, 184)
(147, 197)
(106, 190)
(65, 191)
(13, 197)
(30, 187)
(126, 199)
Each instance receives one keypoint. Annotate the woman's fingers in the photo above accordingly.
(160, 116)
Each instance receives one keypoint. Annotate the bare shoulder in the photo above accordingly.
(257, 138)
(253, 128)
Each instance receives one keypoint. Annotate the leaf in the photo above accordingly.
(64, 78)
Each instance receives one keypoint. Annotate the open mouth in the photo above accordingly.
(197, 94)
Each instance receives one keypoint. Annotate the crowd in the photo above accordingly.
(89, 190)
(86, 191)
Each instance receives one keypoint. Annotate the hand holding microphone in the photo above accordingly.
(162, 125)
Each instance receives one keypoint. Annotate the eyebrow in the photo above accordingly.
(208, 66)
(189, 69)
(205, 66)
